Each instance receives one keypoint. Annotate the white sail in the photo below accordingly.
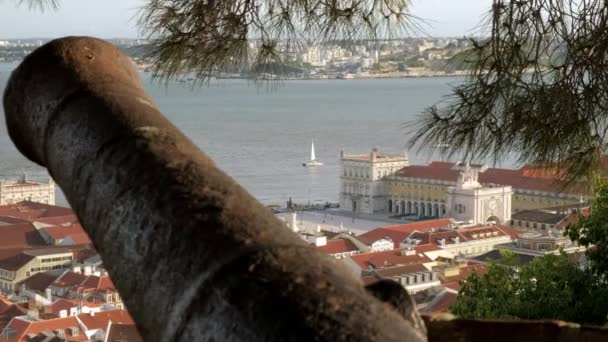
(313, 158)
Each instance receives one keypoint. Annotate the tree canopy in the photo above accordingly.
(550, 287)
(592, 230)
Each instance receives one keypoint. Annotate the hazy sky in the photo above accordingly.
(114, 18)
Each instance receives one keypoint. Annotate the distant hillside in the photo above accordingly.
(134, 51)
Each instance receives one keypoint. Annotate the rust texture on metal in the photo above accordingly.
(192, 254)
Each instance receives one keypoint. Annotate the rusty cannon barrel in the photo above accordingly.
(193, 255)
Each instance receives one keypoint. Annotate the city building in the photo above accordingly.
(340, 248)
(548, 218)
(15, 269)
(473, 203)
(414, 278)
(390, 185)
(390, 237)
(26, 190)
(463, 241)
(66, 234)
(362, 180)
(95, 326)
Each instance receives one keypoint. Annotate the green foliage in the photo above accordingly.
(547, 288)
(592, 231)
(538, 87)
(250, 35)
(551, 287)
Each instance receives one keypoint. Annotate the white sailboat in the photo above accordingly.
(313, 159)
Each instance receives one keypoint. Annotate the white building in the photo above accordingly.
(25, 190)
(473, 203)
(361, 180)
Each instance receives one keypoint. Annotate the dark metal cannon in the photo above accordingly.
(193, 255)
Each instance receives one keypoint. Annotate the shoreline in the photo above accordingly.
(354, 78)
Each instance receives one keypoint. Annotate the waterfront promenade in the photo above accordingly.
(335, 220)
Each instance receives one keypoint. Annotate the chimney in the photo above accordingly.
(49, 295)
(32, 314)
(320, 241)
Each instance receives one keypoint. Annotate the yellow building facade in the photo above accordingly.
(422, 190)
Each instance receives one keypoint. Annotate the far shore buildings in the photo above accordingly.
(26, 190)
(388, 184)
(461, 215)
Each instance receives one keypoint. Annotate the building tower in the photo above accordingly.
(474, 203)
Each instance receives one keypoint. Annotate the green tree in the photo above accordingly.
(592, 231)
(491, 295)
(538, 87)
(551, 287)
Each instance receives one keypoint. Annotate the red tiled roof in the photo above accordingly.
(23, 328)
(400, 232)
(80, 238)
(100, 319)
(62, 304)
(61, 232)
(446, 300)
(4, 303)
(422, 248)
(464, 234)
(338, 246)
(84, 254)
(95, 283)
(11, 220)
(512, 232)
(453, 282)
(58, 220)
(387, 259)
(39, 282)
(22, 235)
(517, 178)
(432, 237)
(402, 270)
(69, 279)
(14, 310)
(15, 262)
(123, 332)
(32, 211)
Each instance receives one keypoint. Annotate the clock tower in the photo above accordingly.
(475, 203)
